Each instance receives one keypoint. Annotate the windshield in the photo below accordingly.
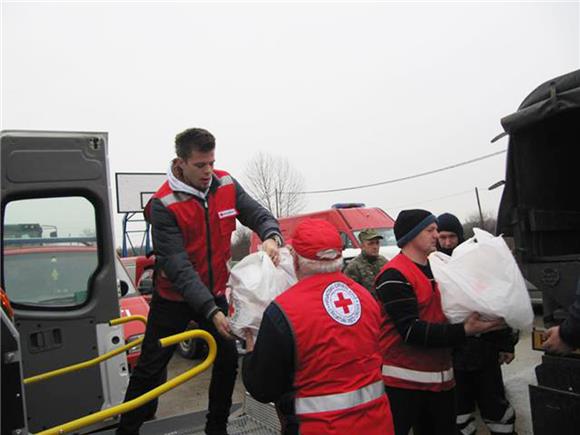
(387, 233)
(49, 278)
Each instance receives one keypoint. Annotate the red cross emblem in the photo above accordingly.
(343, 303)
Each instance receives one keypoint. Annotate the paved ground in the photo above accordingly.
(517, 376)
(191, 396)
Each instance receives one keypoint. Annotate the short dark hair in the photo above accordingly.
(193, 139)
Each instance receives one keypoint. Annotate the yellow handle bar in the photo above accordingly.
(92, 362)
(153, 394)
(128, 319)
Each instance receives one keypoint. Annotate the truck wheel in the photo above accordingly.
(192, 349)
(187, 349)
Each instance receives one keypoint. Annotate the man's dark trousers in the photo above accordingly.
(427, 412)
(167, 318)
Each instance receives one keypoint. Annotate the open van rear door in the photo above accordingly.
(62, 285)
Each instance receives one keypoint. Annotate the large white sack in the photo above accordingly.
(483, 276)
(254, 283)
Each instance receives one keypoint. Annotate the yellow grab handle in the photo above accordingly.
(92, 362)
(153, 394)
(128, 319)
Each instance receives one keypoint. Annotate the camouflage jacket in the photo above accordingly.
(364, 271)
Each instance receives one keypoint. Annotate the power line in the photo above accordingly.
(452, 195)
(396, 180)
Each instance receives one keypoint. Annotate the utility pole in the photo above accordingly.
(479, 207)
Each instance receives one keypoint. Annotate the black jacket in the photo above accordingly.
(171, 256)
(483, 350)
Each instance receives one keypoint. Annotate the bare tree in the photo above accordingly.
(275, 184)
(474, 221)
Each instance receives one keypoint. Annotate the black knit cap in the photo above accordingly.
(449, 222)
(410, 223)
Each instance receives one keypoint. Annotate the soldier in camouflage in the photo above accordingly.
(364, 268)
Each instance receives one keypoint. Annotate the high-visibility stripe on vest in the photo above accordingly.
(339, 401)
(412, 366)
(337, 382)
(208, 251)
(417, 376)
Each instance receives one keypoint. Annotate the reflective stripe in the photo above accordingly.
(470, 429)
(500, 428)
(465, 424)
(418, 376)
(224, 181)
(340, 401)
(174, 197)
(462, 419)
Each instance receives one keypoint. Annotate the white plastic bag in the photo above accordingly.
(482, 276)
(254, 283)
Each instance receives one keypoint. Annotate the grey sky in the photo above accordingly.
(349, 93)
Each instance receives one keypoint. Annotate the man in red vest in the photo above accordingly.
(416, 338)
(317, 353)
(192, 216)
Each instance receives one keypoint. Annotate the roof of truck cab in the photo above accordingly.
(552, 97)
(355, 218)
(359, 218)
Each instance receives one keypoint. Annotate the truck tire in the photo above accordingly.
(192, 349)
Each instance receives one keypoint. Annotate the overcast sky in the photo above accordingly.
(348, 93)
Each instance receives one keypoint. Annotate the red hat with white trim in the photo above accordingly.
(316, 239)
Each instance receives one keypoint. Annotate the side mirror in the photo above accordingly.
(146, 286)
(122, 288)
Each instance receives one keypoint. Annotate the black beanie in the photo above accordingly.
(410, 223)
(449, 222)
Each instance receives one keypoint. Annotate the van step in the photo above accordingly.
(255, 419)
(191, 424)
(244, 425)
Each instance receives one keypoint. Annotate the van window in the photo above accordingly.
(50, 251)
(387, 233)
(346, 242)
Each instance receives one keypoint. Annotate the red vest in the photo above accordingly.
(338, 386)
(206, 230)
(410, 366)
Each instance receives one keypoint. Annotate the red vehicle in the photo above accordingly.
(349, 220)
(5, 302)
(140, 269)
(64, 270)
(132, 303)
